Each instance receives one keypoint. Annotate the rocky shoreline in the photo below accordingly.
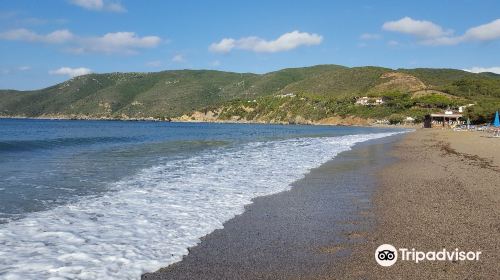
(202, 118)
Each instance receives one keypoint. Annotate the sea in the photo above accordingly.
(116, 199)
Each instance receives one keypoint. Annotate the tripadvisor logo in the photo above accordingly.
(387, 255)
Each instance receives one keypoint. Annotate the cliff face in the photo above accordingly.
(214, 116)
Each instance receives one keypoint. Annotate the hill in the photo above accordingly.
(309, 94)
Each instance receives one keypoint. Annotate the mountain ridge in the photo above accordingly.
(321, 91)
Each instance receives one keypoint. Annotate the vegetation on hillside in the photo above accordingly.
(289, 95)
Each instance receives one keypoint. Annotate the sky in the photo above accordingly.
(46, 42)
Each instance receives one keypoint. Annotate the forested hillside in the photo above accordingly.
(307, 94)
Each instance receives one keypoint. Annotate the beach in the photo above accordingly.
(133, 197)
(443, 192)
(429, 190)
(246, 140)
(297, 234)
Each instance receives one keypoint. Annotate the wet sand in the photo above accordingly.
(443, 192)
(298, 234)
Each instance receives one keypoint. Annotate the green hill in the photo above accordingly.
(306, 94)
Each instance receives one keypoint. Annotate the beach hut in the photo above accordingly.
(447, 118)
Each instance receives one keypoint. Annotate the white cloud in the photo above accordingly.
(216, 63)
(285, 42)
(71, 72)
(370, 36)
(429, 33)
(178, 58)
(224, 46)
(22, 34)
(59, 36)
(420, 28)
(99, 5)
(24, 68)
(89, 4)
(485, 32)
(115, 7)
(484, 69)
(117, 42)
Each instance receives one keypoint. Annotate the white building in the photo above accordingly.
(291, 94)
(363, 100)
(367, 101)
(461, 109)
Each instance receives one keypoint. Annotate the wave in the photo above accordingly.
(149, 220)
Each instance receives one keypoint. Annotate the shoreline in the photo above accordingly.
(178, 120)
(289, 234)
(159, 201)
(448, 199)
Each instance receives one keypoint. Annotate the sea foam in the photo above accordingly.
(150, 219)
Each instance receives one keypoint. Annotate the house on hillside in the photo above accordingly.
(291, 94)
(461, 109)
(370, 101)
(363, 100)
(379, 101)
(409, 120)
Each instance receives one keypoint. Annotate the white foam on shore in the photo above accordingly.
(150, 219)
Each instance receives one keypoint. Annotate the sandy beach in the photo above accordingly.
(429, 190)
(297, 234)
(443, 192)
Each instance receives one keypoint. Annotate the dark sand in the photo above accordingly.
(298, 234)
(443, 192)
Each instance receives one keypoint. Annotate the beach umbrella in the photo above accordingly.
(496, 122)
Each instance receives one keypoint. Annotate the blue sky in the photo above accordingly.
(45, 42)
